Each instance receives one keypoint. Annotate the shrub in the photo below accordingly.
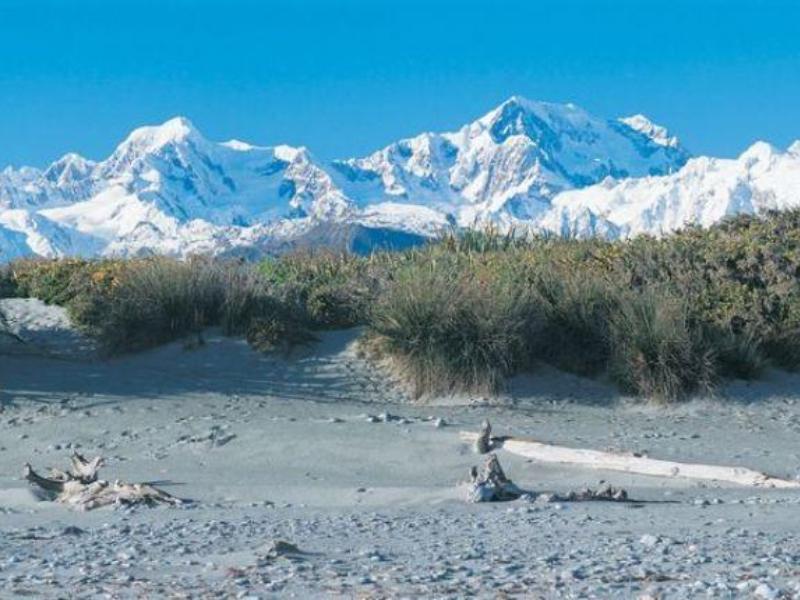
(656, 351)
(739, 354)
(576, 308)
(156, 300)
(334, 290)
(449, 331)
(246, 296)
(48, 280)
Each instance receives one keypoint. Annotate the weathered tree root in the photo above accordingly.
(81, 489)
(483, 443)
(490, 484)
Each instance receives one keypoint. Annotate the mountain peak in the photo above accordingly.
(517, 108)
(514, 102)
(539, 165)
(522, 103)
(69, 167)
(758, 152)
(175, 130)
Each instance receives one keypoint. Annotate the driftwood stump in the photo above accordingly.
(483, 443)
(80, 487)
(490, 484)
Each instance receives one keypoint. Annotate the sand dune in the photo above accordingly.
(323, 450)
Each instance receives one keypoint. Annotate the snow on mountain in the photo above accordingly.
(165, 186)
(658, 134)
(530, 165)
(13, 244)
(509, 164)
(24, 232)
(173, 168)
(705, 191)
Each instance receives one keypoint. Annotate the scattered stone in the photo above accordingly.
(72, 530)
(215, 438)
(649, 540)
(280, 548)
(764, 591)
(608, 493)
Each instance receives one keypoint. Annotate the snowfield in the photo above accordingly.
(533, 166)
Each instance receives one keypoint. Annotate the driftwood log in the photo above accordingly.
(80, 487)
(632, 463)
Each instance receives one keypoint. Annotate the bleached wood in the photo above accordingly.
(483, 441)
(81, 488)
(631, 463)
(85, 470)
(490, 484)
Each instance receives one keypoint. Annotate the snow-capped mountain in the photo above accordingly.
(703, 192)
(530, 165)
(508, 165)
(166, 189)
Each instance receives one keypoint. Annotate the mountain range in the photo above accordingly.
(528, 165)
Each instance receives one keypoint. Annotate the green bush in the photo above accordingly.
(577, 309)
(49, 280)
(656, 351)
(739, 354)
(451, 331)
(334, 290)
(156, 300)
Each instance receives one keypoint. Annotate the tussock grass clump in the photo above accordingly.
(277, 333)
(656, 351)
(577, 308)
(739, 354)
(155, 301)
(132, 305)
(51, 281)
(335, 290)
(449, 330)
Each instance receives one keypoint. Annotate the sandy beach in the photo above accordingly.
(322, 450)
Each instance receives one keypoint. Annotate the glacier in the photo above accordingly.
(527, 165)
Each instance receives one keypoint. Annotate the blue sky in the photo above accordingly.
(345, 77)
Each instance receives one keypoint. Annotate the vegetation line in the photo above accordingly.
(663, 318)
